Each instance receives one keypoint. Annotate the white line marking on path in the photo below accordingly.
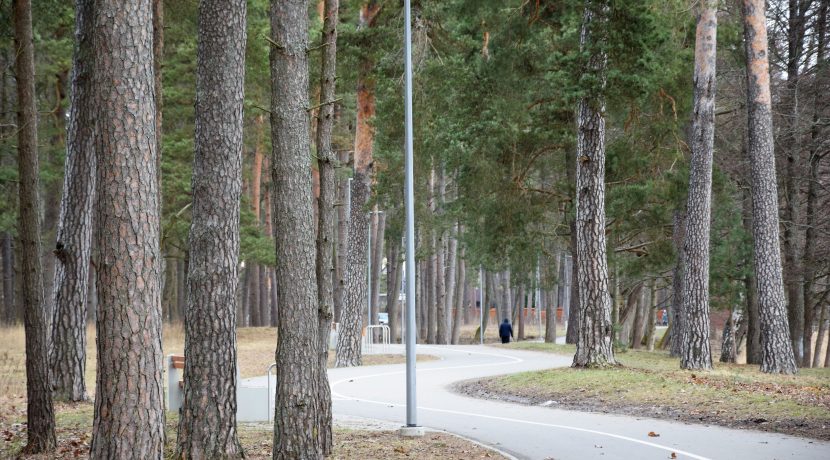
(340, 397)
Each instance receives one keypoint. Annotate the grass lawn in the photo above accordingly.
(650, 384)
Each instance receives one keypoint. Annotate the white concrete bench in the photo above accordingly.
(253, 401)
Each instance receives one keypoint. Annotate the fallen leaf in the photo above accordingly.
(652, 434)
(673, 455)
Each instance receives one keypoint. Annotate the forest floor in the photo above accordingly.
(255, 353)
(74, 426)
(650, 384)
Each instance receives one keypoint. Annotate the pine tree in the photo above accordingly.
(296, 415)
(40, 414)
(74, 235)
(776, 347)
(326, 214)
(129, 412)
(593, 347)
(696, 353)
(207, 427)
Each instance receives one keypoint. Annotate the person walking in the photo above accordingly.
(505, 331)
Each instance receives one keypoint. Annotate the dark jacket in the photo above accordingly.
(505, 330)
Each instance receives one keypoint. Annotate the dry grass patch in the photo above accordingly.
(255, 352)
(74, 428)
(650, 384)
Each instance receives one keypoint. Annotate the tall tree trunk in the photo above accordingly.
(378, 246)
(522, 309)
(394, 264)
(264, 298)
(40, 414)
(326, 164)
(207, 427)
(450, 280)
(255, 279)
(729, 349)
(593, 346)
(572, 331)
(793, 171)
(297, 406)
(696, 353)
(651, 324)
(637, 330)
(254, 310)
(823, 324)
(158, 57)
(129, 418)
(349, 339)
(753, 318)
(242, 317)
(776, 347)
(489, 299)
(342, 238)
(460, 295)
(8, 278)
(551, 307)
(432, 293)
(275, 306)
(677, 315)
(74, 234)
(423, 299)
(810, 261)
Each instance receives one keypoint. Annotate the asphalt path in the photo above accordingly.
(535, 432)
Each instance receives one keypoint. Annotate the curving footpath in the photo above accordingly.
(378, 392)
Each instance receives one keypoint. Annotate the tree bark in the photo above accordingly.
(254, 295)
(432, 294)
(572, 331)
(207, 427)
(460, 295)
(651, 324)
(40, 414)
(776, 347)
(593, 346)
(342, 238)
(297, 406)
(792, 211)
(551, 307)
(640, 314)
(753, 318)
(326, 164)
(677, 315)
(129, 417)
(394, 264)
(9, 308)
(349, 339)
(74, 234)
(378, 246)
(696, 352)
(822, 331)
(523, 306)
(450, 285)
(158, 57)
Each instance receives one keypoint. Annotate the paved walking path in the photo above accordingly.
(527, 432)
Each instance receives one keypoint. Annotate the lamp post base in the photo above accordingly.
(411, 431)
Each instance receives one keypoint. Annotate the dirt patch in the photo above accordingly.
(714, 412)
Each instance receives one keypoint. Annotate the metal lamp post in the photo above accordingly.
(411, 428)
